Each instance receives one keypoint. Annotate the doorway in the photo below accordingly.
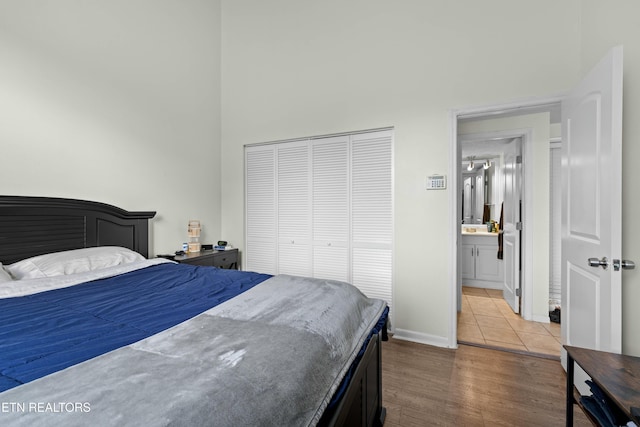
(528, 306)
(492, 178)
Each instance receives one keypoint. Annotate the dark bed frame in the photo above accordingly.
(31, 226)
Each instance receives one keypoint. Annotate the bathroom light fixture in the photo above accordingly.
(487, 164)
(471, 166)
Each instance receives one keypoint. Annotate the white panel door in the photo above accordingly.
(372, 213)
(591, 208)
(330, 223)
(294, 208)
(511, 219)
(260, 189)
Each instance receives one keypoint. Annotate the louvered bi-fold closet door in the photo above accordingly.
(260, 211)
(323, 208)
(331, 208)
(294, 208)
(372, 213)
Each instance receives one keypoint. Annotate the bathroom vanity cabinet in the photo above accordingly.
(479, 261)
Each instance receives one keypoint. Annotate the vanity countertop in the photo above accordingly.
(480, 231)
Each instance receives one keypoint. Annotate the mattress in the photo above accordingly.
(175, 344)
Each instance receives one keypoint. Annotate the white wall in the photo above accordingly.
(604, 25)
(114, 101)
(294, 68)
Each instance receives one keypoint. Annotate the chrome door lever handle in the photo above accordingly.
(595, 262)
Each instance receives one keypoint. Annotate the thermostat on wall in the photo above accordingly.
(436, 182)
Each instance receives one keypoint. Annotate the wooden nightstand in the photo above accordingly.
(222, 259)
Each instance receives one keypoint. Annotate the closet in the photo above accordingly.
(323, 207)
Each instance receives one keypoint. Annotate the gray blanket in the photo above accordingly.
(273, 356)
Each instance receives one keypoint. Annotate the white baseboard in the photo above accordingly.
(541, 319)
(422, 338)
(486, 284)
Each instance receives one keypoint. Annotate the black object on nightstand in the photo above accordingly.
(222, 259)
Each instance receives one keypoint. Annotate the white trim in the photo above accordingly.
(422, 338)
(527, 266)
(541, 319)
(484, 284)
(329, 135)
(526, 106)
(454, 202)
(455, 236)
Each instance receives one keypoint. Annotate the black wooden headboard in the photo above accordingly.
(31, 226)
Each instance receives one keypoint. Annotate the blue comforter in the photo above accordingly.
(49, 331)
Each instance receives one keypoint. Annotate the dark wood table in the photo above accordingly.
(617, 375)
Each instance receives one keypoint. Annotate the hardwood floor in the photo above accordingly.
(470, 386)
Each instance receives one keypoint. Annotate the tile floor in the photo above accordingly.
(487, 319)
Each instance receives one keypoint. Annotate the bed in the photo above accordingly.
(94, 333)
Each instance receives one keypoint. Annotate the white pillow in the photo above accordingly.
(4, 275)
(70, 262)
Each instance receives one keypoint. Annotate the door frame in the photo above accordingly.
(455, 196)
